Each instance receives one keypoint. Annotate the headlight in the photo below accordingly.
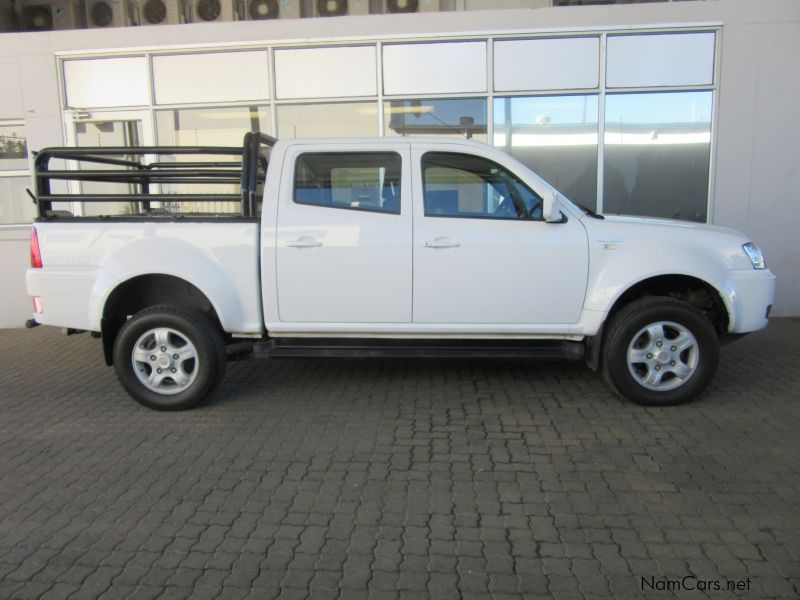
(756, 257)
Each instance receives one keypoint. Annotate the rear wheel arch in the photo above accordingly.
(143, 291)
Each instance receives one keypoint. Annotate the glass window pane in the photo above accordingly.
(435, 68)
(13, 148)
(105, 82)
(362, 181)
(207, 127)
(354, 119)
(211, 77)
(660, 60)
(657, 150)
(210, 126)
(461, 185)
(15, 204)
(326, 72)
(446, 118)
(556, 136)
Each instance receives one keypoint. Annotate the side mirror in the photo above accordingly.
(551, 208)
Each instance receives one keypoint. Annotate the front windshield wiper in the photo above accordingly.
(588, 211)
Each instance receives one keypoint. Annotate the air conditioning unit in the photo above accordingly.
(264, 10)
(333, 8)
(207, 11)
(161, 12)
(391, 7)
(36, 15)
(106, 13)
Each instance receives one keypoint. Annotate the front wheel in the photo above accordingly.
(660, 351)
(169, 358)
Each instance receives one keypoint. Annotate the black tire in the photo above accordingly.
(193, 350)
(658, 372)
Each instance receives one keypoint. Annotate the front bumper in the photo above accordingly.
(751, 294)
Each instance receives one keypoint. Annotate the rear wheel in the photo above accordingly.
(660, 351)
(169, 358)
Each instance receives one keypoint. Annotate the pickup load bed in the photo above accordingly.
(373, 247)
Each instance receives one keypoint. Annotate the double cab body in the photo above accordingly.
(391, 239)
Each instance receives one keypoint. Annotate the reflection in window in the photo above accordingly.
(13, 148)
(15, 204)
(210, 126)
(341, 119)
(556, 136)
(360, 180)
(207, 127)
(458, 118)
(462, 185)
(657, 149)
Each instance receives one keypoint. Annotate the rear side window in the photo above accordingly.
(367, 181)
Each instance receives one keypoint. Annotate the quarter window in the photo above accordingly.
(356, 180)
(460, 185)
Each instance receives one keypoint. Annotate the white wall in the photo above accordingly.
(757, 181)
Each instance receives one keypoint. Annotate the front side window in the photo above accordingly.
(354, 180)
(461, 185)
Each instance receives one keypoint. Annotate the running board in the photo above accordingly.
(413, 348)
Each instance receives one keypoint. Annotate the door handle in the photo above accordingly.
(304, 242)
(442, 242)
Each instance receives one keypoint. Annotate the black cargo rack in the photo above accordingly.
(247, 168)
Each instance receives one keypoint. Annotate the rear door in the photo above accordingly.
(343, 239)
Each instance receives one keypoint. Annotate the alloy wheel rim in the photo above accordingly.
(165, 361)
(663, 356)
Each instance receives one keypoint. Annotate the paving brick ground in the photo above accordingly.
(386, 479)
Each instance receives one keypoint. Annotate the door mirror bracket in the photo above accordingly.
(551, 207)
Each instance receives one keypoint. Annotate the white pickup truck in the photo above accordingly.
(405, 247)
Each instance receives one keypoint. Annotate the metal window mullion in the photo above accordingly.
(490, 91)
(601, 122)
(273, 91)
(379, 77)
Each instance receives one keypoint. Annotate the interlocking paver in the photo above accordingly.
(395, 479)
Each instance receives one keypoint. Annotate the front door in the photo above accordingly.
(482, 254)
(344, 235)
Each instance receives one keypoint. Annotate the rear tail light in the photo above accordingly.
(38, 308)
(36, 254)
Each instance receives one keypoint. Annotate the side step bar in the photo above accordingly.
(414, 348)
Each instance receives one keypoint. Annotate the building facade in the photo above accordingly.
(681, 110)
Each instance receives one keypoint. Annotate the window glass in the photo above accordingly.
(446, 118)
(351, 119)
(207, 127)
(13, 148)
(556, 136)
(460, 185)
(657, 149)
(355, 180)
(15, 204)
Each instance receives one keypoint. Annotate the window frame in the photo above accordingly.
(380, 211)
(529, 218)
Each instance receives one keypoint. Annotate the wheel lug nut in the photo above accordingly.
(658, 344)
(174, 370)
(672, 363)
(649, 355)
(658, 367)
(674, 348)
(158, 370)
(175, 356)
(152, 357)
(163, 348)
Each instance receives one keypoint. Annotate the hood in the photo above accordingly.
(672, 223)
